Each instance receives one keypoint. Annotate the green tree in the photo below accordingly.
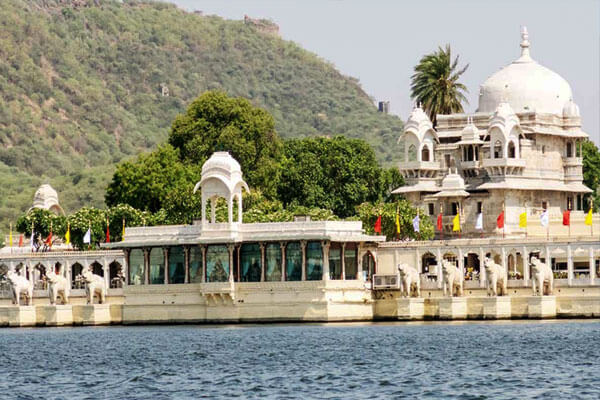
(336, 174)
(369, 212)
(146, 182)
(124, 214)
(591, 171)
(435, 84)
(215, 121)
(43, 221)
(84, 219)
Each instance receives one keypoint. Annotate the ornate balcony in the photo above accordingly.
(504, 166)
(420, 169)
(573, 169)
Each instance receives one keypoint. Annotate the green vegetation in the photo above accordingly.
(591, 172)
(435, 84)
(81, 90)
(369, 212)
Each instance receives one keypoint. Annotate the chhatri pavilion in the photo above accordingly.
(521, 149)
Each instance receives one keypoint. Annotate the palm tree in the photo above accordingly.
(435, 84)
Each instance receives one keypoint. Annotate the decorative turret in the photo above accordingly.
(46, 198)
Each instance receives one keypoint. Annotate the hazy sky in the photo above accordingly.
(379, 42)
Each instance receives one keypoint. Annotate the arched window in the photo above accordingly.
(412, 153)
(425, 153)
(511, 150)
(470, 153)
(115, 274)
(97, 268)
(498, 149)
(569, 149)
(428, 264)
(472, 266)
(368, 266)
(75, 272)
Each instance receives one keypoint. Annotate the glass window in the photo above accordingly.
(314, 261)
(157, 266)
(176, 265)
(368, 265)
(335, 261)
(250, 262)
(217, 263)
(350, 261)
(273, 262)
(136, 267)
(293, 261)
(195, 265)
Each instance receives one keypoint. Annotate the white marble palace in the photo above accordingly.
(521, 148)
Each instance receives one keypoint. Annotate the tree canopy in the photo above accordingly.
(435, 84)
(369, 212)
(591, 170)
(336, 174)
(217, 122)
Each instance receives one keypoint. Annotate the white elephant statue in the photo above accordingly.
(541, 274)
(19, 284)
(409, 280)
(57, 284)
(495, 278)
(94, 284)
(452, 278)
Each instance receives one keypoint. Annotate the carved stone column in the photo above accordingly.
(592, 266)
(238, 249)
(325, 247)
(262, 261)
(186, 264)
(303, 247)
(125, 267)
(203, 263)
(461, 262)
(526, 272)
(166, 257)
(146, 267)
(569, 265)
(282, 245)
(106, 271)
(343, 261)
(359, 266)
(503, 252)
(482, 273)
(440, 278)
(231, 248)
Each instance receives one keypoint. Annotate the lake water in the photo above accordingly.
(505, 360)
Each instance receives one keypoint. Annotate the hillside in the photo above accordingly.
(81, 89)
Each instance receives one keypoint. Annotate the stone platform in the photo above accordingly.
(411, 308)
(57, 315)
(20, 316)
(541, 307)
(91, 314)
(497, 307)
(453, 308)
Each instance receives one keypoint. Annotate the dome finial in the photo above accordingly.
(524, 42)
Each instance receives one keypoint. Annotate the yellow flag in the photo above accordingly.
(589, 217)
(123, 233)
(10, 241)
(68, 235)
(456, 223)
(397, 222)
(523, 220)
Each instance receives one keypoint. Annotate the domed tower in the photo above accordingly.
(221, 177)
(46, 198)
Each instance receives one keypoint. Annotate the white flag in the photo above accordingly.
(87, 238)
(32, 242)
(416, 222)
(479, 222)
(544, 219)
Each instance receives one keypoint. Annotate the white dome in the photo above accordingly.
(221, 161)
(526, 86)
(571, 109)
(46, 198)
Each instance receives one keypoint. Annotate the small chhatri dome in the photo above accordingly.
(470, 133)
(453, 185)
(571, 109)
(221, 162)
(418, 118)
(525, 85)
(46, 198)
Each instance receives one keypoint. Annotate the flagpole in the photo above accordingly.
(10, 239)
(548, 225)
(459, 225)
(592, 213)
(504, 220)
(442, 214)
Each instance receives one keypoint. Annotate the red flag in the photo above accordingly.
(21, 240)
(567, 218)
(440, 224)
(500, 220)
(107, 234)
(378, 225)
(48, 240)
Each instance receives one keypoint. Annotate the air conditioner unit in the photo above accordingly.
(386, 281)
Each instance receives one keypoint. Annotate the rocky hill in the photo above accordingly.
(87, 83)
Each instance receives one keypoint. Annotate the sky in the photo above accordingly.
(380, 41)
